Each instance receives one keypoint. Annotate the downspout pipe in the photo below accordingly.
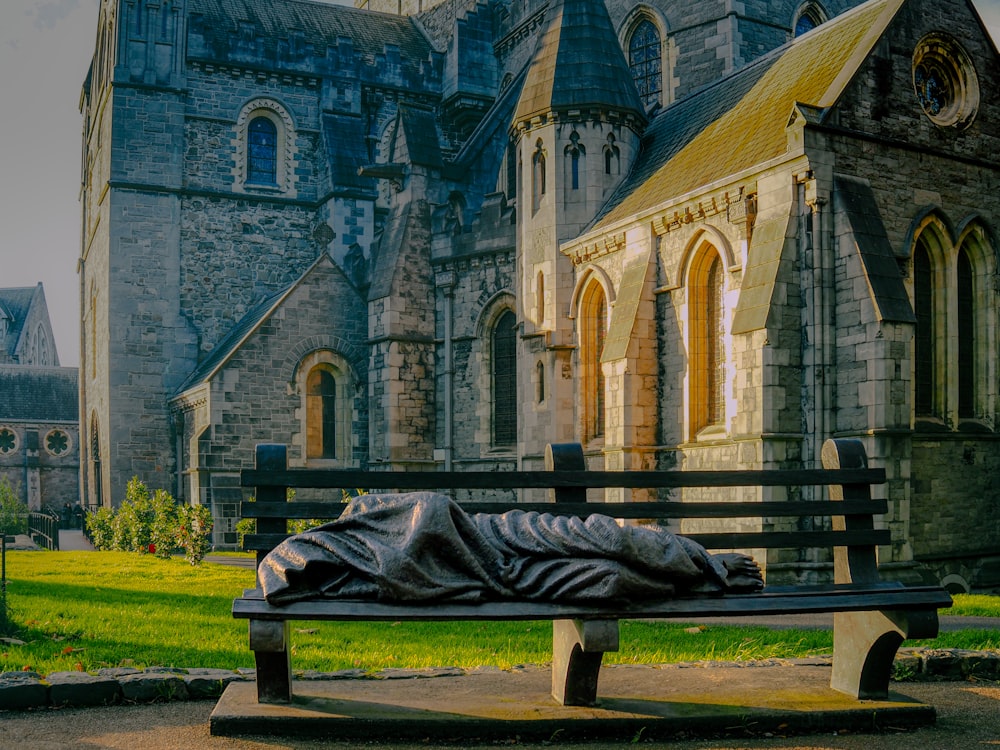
(446, 283)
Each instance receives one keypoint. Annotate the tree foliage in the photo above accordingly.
(13, 512)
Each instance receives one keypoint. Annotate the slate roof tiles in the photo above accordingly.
(39, 394)
(739, 122)
(320, 24)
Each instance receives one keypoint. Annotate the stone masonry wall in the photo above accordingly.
(940, 489)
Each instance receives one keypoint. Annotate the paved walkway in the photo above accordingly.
(72, 540)
(967, 719)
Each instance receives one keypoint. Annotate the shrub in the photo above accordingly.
(166, 519)
(194, 532)
(152, 523)
(99, 528)
(13, 512)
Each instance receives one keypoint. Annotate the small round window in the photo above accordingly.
(58, 442)
(945, 82)
(8, 441)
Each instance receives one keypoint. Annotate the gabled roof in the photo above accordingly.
(320, 24)
(39, 394)
(578, 63)
(254, 318)
(232, 341)
(738, 122)
(416, 131)
(344, 137)
(15, 303)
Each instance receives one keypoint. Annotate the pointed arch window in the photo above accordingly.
(574, 153)
(537, 175)
(96, 473)
(321, 413)
(328, 410)
(540, 298)
(93, 332)
(707, 336)
(966, 337)
(924, 364)
(612, 156)
(511, 172)
(504, 365)
(644, 61)
(262, 152)
(593, 334)
(265, 148)
(807, 17)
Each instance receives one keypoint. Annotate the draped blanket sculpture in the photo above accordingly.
(424, 547)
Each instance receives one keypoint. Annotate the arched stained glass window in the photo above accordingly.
(808, 18)
(504, 361)
(262, 152)
(923, 309)
(966, 337)
(706, 337)
(715, 365)
(644, 61)
(593, 334)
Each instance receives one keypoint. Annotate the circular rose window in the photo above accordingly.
(58, 442)
(8, 441)
(945, 82)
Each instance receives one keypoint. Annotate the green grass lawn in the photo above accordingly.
(87, 610)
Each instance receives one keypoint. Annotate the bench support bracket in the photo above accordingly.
(269, 643)
(865, 645)
(577, 649)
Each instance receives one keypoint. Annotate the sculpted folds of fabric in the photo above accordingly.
(425, 547)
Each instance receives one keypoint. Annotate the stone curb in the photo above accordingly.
(21, 691)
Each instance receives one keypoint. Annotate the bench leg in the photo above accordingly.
(865, 644)
(269, 643)
(577, 649)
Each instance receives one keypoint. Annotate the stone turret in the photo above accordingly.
(576, 127)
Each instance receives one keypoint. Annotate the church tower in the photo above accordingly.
(576, 128)
(136, 345)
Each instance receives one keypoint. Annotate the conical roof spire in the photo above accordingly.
(578, 64)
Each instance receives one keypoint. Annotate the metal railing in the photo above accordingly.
(43, 528)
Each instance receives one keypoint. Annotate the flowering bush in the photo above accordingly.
(152, 523)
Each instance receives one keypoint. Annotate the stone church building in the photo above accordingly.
(440, 234)
(39, 422)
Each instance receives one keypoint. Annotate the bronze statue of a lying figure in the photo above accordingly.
(423, 547)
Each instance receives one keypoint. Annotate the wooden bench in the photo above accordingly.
(872, 617)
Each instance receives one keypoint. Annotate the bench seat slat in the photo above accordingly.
(734, 540)
(766, 603)
(767, 509)
(350, 479)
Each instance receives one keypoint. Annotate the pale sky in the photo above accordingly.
(45, 48)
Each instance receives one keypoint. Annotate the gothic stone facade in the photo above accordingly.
(39, 424)
(684, 236)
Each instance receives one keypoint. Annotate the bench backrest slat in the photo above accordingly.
(433, 480)
(850, 509)
(653, 510)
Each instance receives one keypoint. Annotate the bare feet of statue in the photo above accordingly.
(744, 572)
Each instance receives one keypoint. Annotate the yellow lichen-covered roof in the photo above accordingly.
(740, 121)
